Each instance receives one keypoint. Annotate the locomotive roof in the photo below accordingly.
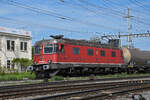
(76, 42)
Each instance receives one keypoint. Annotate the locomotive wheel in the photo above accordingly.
(131, 70)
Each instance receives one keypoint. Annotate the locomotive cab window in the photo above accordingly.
(76, 51)
(102, 53)
(48, 48)
(56, 48)
(113, 54)
(37, 50)
(90, 52)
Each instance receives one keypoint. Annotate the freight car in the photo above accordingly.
(79, 57)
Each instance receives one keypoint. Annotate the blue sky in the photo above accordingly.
(78, 19)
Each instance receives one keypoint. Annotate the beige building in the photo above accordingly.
(14, 44)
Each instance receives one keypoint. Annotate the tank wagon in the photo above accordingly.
(137, 59)
(78, 57)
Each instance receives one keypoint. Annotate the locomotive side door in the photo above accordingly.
(97, 55)
(61, 54)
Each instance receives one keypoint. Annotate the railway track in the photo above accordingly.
(68, 82)
(55, 89)
(67, 87)
(99, 93)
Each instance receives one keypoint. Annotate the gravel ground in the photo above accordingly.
(145, 94)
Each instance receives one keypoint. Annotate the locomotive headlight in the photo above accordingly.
(30, 68)
(45, 67)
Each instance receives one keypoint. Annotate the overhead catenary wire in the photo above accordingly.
(81, 5)
(134, 20)
(97, 12)
(115, 12)
(113, 4)
(49, 13)
(140, 5)
(137, 18)
(31, 24)
(16, 21)
(58, 15)
(101, 14)
(62, 17)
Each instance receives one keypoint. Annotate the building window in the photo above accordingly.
(90, 52)
(102, 53)
(113, 54)
(23, 46)
(10, 45)
(76, 51)
(0, 45)
(8, 64)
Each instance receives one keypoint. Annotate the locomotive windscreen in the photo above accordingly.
(48, 48)
(51, 48)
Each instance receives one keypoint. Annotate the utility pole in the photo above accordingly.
(129, 40)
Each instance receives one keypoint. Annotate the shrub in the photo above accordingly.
(2, 71)
(57, 78)
(17, 76)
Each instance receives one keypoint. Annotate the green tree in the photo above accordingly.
(24, 62)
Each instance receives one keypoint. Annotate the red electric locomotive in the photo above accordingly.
(65, 56)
